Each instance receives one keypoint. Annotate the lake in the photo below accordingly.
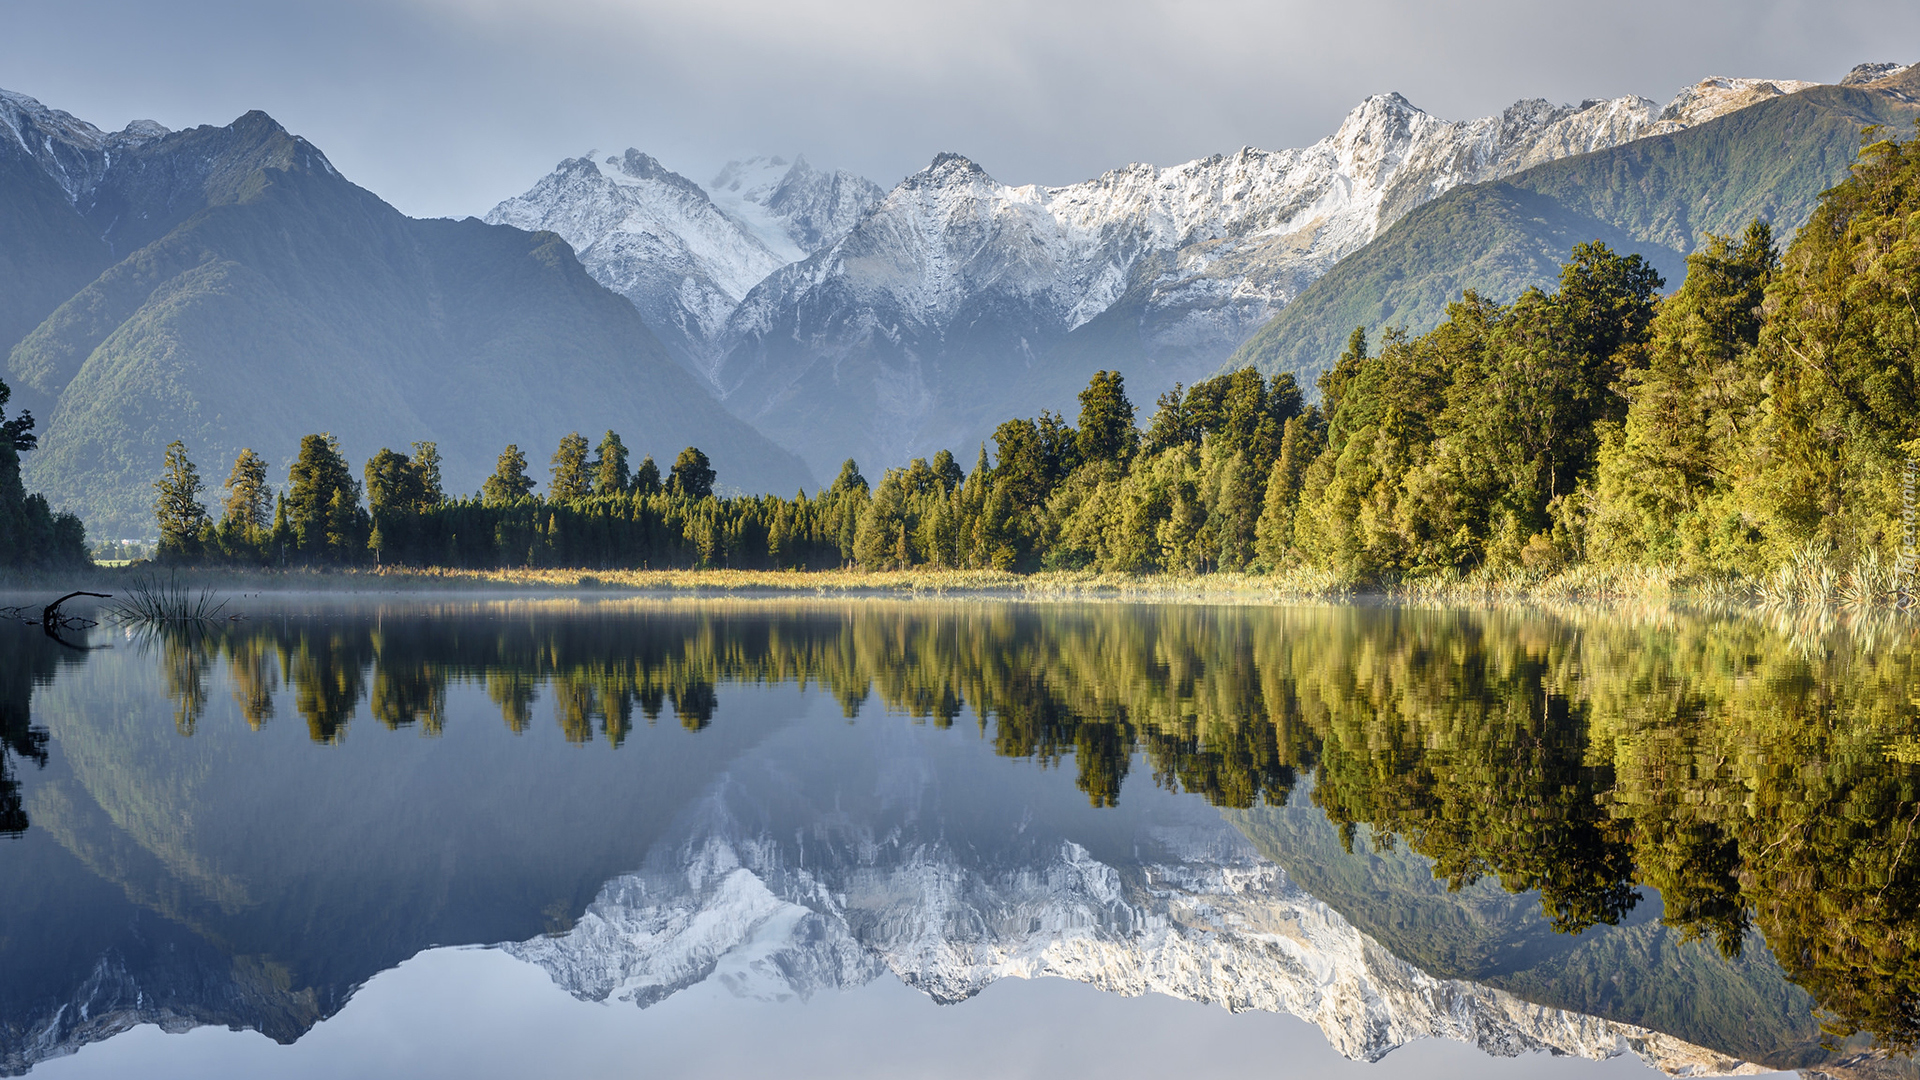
(716, 837)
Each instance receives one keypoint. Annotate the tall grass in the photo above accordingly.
(153, 600)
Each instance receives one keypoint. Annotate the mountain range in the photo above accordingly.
(956, 301)
(228, 287)
(1657, 196)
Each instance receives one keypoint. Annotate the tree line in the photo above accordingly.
(1763, 410)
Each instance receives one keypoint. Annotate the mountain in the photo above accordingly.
(1749, 153)
(960, 301)
(683, 258)
(234, 290)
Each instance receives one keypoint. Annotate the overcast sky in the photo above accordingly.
(444, 107)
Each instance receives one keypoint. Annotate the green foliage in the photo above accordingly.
(572, 474)
(646, 479)
(31, 534)
(1106, 420)
(692, 475)
(1782, 395)
(509, 482)
(1454, 449)
(609, 467)
(176, 505)
(323, 505)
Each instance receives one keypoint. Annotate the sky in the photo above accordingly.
(444, 107)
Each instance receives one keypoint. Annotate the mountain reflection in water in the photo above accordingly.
(1517, 829)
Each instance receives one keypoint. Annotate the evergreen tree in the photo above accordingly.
(426, 464)
(16, 434)
(1170, 425)
(1664, 486)
(1106, 420)
(176, 504)
(849, 479)
(398, 484)
(646, 479)
(610, 475)
(692, 476)
(947, 471)
(509, 482)
(247, 511)
(323, 503)
(572, 478)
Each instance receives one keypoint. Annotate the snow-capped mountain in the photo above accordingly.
(74, 153)
(961, 300)
(684, 259)
(794, 209)
(845, 321)
(1719, 95)
(781, 886)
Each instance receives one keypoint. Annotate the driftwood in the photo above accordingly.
(50, 619)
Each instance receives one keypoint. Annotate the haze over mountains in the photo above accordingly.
(229, 287)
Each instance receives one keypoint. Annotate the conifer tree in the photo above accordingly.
(646, 479)
(572, 478)
(323, 503)
(509, 482)
(1106, 420)
(426, 465)
(248, 509)
(692, 476)
(176, 504)
(610, 474)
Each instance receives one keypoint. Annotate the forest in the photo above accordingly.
(1762, 415)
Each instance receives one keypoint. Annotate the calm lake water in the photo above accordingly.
(878, 838)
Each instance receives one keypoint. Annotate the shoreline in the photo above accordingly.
(1577, 587)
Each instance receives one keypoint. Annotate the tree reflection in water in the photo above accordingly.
(1760, 777)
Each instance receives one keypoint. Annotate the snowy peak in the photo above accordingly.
(653, 236)
(1866, 74)
(791, 207)
(682, 255)
(1717, 96)
(73, 152)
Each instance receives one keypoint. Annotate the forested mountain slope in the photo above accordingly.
(249, 294)
(1657, 196)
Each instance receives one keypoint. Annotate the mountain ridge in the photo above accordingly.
(269, 297)
(1657, 197)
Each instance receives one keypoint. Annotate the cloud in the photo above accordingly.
(445, 106)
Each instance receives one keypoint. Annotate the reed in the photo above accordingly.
(154, 600)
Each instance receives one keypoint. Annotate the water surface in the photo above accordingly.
(874, 837)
